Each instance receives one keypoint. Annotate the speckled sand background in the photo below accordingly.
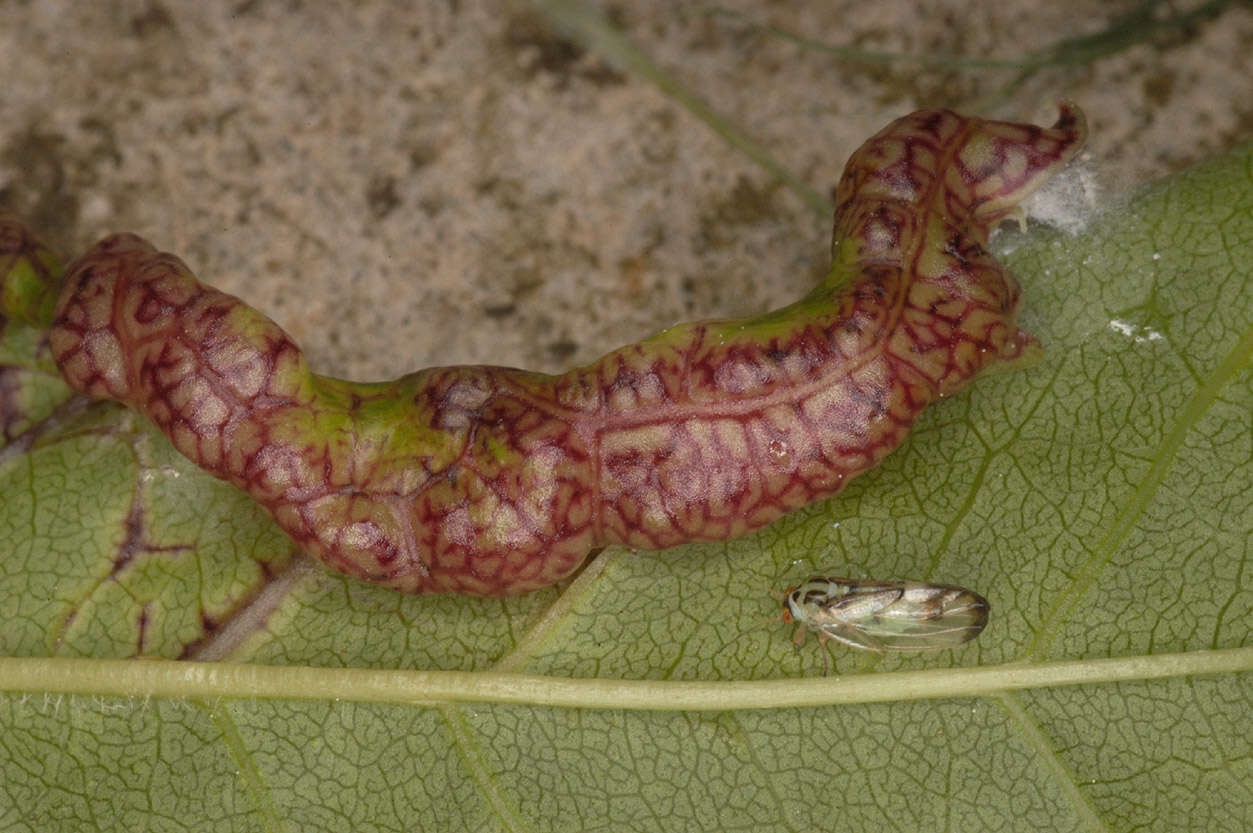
(405, 184)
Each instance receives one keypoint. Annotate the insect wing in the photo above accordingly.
(928, 617)
(822, 597)
(864, 603)
(886, 615)
(837, 607)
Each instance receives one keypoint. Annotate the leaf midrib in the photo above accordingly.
(130, 678)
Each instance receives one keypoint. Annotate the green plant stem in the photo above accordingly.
(1135, 26)
(591, 29)
(129, 678)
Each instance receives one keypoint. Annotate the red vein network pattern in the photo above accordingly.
(493, 481)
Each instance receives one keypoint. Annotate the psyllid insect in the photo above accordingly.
(883, 616)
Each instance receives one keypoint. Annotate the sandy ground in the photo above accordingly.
(406, 184)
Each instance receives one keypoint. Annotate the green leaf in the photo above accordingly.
(1101, 501)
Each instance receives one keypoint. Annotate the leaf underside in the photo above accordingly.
(1100, 500)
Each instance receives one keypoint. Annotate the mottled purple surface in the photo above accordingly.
(491, 481)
